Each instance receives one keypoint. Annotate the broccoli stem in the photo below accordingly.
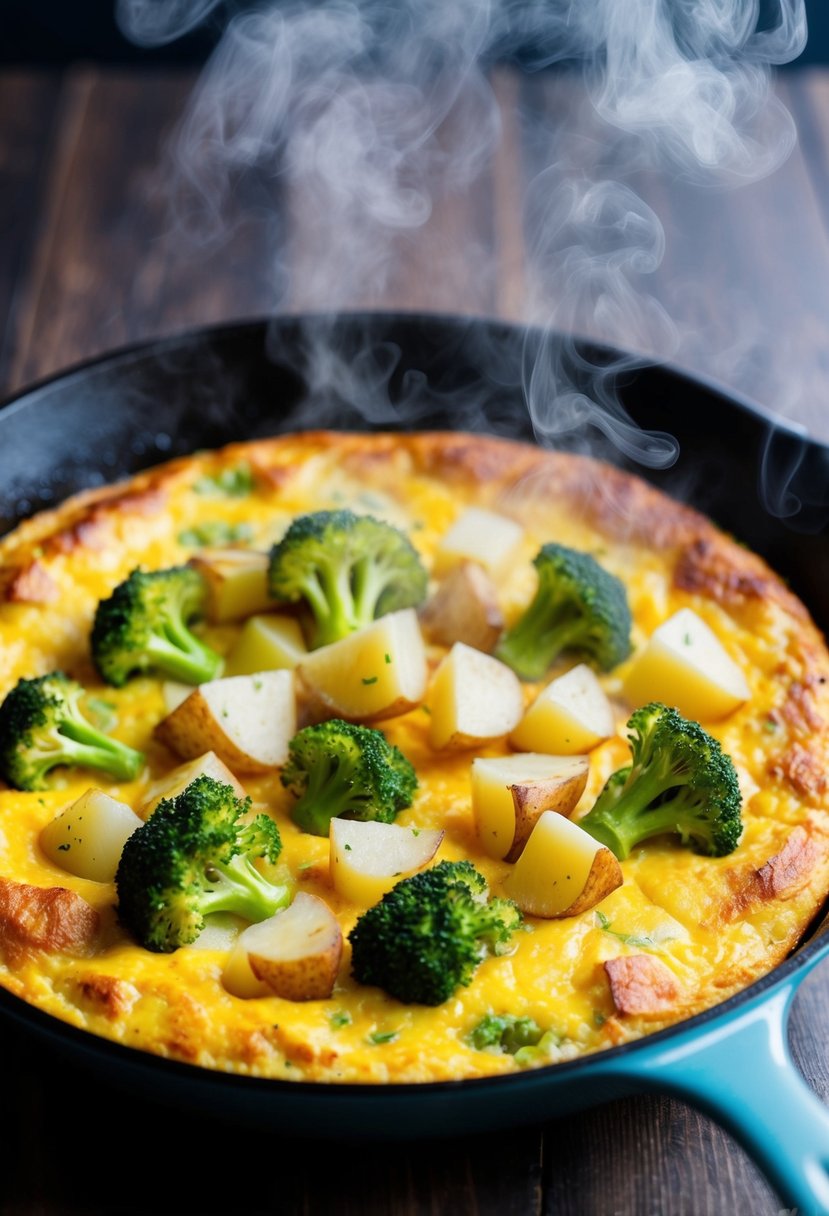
(237, 886)
(622, 820)
(329, 792)
(369, 584)
(93, 749)
(537, 639)
(329, 595)
(182, 656)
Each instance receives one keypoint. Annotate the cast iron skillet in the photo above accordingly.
(763, 481)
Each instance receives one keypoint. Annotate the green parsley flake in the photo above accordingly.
(378, 1037)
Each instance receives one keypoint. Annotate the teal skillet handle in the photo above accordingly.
(739, 1071)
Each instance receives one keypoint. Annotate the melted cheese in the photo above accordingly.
(681, 908)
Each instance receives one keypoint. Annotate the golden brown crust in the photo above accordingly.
(641, 986)
(44, 918)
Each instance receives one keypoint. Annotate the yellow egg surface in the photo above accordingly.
(712, 924)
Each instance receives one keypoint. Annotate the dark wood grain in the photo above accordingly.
(27, 106)
(90, 260)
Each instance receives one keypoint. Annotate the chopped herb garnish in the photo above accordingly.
(339, 1018)
(629, 939)
(369, 679)
(347, 847)
(214, 532)
(382, 1036)
(103, 712)
(229, 483)
(599, 1018)
(770, 726)
(426, 710)
(388, 658)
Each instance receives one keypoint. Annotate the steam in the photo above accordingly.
(380, 115)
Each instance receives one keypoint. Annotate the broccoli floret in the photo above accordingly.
(193, 856)
(347, 569)
(42, 726)
(426, 937)
(342, 769)
(578, 606)
(522, 1038)
(144, 626)
(506, 1032)
(680, 781)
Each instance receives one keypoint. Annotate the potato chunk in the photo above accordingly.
(86, 838)
(562, 871)
(509, 793)
(247, 721)
(377, 672)
(368, 858)
(568, 717)
(237, 582)
(464, 609)
(266, 643)
(474, 698)
(172, 783)
(684, 664)
(480, 536)
(294, 954)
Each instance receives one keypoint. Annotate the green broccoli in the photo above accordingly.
(680, 781)
(193, 856)
(426, 936)
(42, 726)
(342, 769)
(578, 606)
(521, 1038)
(144, 626)
(347, 569)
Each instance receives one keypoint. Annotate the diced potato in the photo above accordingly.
(172, 783)
(367, 859)
(685, 665)
(473, 698)
(509, 793)
(221, 931)
(247, 721)
(464, 609)
(562, 871)
(266, 643)
(294, 954)
(480, 536)
(86, 839)
(174, 693)
(569, 717)
(237, 582)
(237, 974)
(377, 672)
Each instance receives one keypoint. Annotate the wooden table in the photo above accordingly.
(86, 264)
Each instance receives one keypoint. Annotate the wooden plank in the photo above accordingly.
(649, 1156)
(27, 108)
(111, 268)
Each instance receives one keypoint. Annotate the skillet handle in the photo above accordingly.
(741, 1073)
